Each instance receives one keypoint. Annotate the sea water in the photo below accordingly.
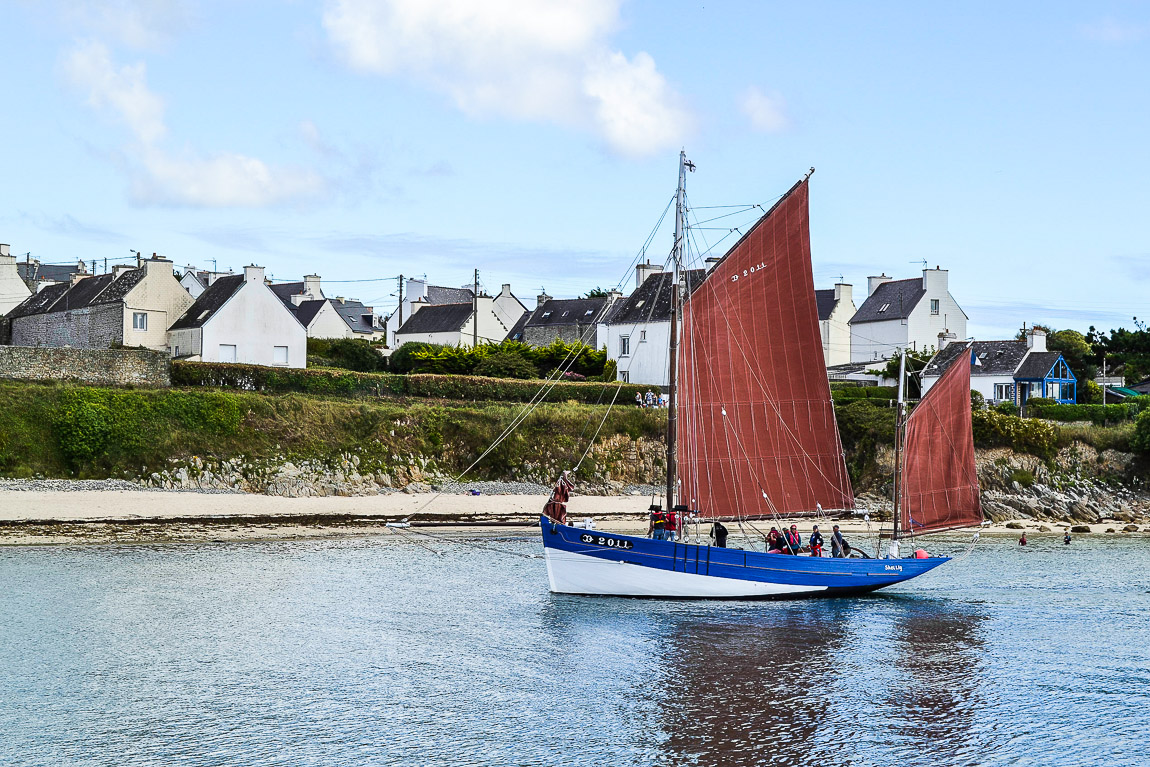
(381, 652)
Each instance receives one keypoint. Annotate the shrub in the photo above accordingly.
(977, 401)
(1022, 477)
(506, 364)
(1023, 435)
(82, 430)
(1099, 415)
(1140, 441)
(1006, 408)
(355, 354)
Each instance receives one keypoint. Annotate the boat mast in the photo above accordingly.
(676, 265)
(899, 419)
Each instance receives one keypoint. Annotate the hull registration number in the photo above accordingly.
(603, 540)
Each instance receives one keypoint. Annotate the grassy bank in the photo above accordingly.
(58, 430)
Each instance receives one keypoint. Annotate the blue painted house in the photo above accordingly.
(1008, 371)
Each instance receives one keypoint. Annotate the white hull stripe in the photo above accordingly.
(571, 573)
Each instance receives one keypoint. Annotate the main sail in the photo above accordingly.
(758, 435)
(939, 480)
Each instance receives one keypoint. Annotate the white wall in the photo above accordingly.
(255, 321)
(12, 289)
(508, 309)
(648, 361)
(881, 340)
(192, 284)
(162, 298)
(328, 324)
(984, 385)
(873, 341)
(836, 329)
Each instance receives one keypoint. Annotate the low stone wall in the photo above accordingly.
(100, 367)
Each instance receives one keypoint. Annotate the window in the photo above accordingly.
(546, 314)
(883, 308)
(227, 352)
(279, 355)
(642, 336)
(175, 351)
(564, 314)
(625, 376)
(934, 306)
(589, 311)
(1004, 391)
(624, 345)
(139, 320)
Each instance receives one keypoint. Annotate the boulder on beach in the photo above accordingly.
(1130, 529)
(1080, 529)
(1013, 525)
(1043, 529)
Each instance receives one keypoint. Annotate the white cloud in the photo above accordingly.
(1110, 30)
(767, 113)
(539, 61)
(143, 24)
(159, 177)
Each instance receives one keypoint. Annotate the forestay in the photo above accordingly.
(758, 430)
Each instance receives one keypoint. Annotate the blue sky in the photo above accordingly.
(538, 141)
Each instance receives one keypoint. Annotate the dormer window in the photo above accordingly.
(546, 314)
(640, 302)
(564, 314)
(589, 311)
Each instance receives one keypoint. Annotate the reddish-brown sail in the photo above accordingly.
(939, 480)
(758, 435)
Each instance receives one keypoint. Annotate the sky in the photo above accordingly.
(538, 141)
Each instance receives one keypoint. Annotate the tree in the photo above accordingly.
(915, 362)
(1128, 348)
(505, 364)
(595, 292)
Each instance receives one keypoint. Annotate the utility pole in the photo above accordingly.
(475, 312)
(397, 327)
(1104, 381)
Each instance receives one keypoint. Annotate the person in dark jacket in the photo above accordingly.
(719, 533)
(816, 542)
(839, 547)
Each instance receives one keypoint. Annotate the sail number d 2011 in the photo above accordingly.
(602, 540)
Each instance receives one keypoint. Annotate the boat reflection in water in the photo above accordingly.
(880, 680)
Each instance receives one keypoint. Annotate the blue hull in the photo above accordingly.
(579, 563)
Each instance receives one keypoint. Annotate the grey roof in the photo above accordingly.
(437, 294)
(825, 301)
(994, 358)
(352, 313)
(1038, 364)
(566, 312)
(285, 290)
(307, 310)
(31, 271)
(1143, 387)
(82, 294)
(893, 300)
(38, 303)
(441, 318)
(651, 301)
(516, 332)
(209, 302)
(120, 287)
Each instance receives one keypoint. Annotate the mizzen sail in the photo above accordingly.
(939, 485)
(758, 430)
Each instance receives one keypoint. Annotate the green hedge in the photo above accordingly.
(350, 384)
(1023, 435)
(864, 392)
(1100, 415)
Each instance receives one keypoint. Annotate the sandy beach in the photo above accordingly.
(39, 517)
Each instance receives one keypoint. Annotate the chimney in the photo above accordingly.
(81, 267)
(643, 271)
(77, 277)
(253, 273)
(874, 282)
(541, 299)
(945, 338)
(311, 288)
(505, 290)
(4, 249)
(1036, 340)
(843, 292)
(119, 269)
(157, 265)
(934, 282)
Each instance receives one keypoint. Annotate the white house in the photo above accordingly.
(836, 307)
(239, 319)
(900, 314)
(13, 290)
(196, 281)
(1006, 371)
(328, 317)
(455, 324)
(637, 329)
(418, 293)
(129, 306)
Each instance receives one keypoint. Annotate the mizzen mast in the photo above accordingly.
(677, 270)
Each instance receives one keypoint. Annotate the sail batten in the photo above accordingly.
(939, 482)
(754, 400)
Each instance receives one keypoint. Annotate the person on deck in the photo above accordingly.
(556, 508)
(719, 533)
(774, 542)
(839, 547)
(816, 542)
(793, 541)
(671, 526)
(658, 522)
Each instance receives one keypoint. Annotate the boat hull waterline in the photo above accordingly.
(595, 563)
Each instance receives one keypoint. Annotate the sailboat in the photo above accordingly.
(752, 436)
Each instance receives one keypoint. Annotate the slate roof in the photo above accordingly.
(352, 313)
(30, 271)
(656, 290)
(437, 318)
(285, 290)
(437, 294)
(209, 302)
(516, 332)
(825, 301)
(38, 303)
(1038, 364)
(119, 287)
(898, 296)
(83, 293)
(566, 312)
(307, 310)
(995, 358)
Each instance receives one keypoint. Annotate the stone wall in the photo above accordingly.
(93, 327)
(570, 333)
(100, 367)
